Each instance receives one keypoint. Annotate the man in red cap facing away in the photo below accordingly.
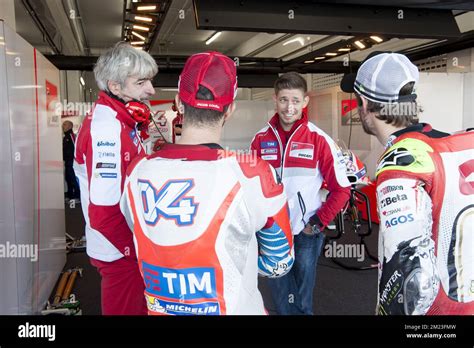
(206, 222)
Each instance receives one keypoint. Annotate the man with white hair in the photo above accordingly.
(108, 141)
(425, 195)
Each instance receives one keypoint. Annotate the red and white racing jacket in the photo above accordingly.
(309, 158)
(205, 223)
(425, 193)
(106, 144)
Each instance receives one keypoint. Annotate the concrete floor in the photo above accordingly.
(338, 291)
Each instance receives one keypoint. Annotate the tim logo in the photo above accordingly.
(169, 202)
(180, 284)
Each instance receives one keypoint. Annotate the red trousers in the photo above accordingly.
(122, 287)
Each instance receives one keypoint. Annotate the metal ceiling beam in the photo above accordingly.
(321, 51)
(261, 72)
(465, 41)
(40, 26)
(168, 79)
(309, 17)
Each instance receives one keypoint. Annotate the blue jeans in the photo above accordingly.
(293, 293)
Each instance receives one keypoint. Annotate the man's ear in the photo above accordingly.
(179, 105)
(305, 101)
(114, 87)
(364, 103)
(229, 112)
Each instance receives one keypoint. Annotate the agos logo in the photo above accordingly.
(399, 220)
(105, 143)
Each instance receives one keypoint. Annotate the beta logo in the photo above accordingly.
(399, 220)
(390, 200)
(180, 284)
(170, 202)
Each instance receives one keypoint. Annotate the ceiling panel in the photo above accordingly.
(102, 21)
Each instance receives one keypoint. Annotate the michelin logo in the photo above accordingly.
(179, 308)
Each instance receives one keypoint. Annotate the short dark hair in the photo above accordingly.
(290, 80)
(402, 114)
(202, 117)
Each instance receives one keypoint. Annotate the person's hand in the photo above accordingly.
(310, 230)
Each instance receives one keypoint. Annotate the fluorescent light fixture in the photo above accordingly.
(137, 42)
(331, 54)
(344, 49)
(146, 8)
(82, 81)
(27, 86)
(296, 39)
(139, 36)
(308, 61)
(359, 44)
(213, 37)
(376, 39)
(139, 27)
(319, 58)
(144, 19)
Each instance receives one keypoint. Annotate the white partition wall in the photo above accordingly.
(249, 117)
(32, 226)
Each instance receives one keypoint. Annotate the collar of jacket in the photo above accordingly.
(122, 113)
(275, 121)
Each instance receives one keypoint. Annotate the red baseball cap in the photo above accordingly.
(214, 71)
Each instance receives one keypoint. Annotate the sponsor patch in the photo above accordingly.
(397, 157)
(264, 151)
(302, 150)
(399, 220)
(268, 144)
(106, 175)
(395, 211)
(269, 157)
(385, 202)
(197, 283)
(105, 143)
(106, 154)
(106, 165)
(181, 308)
(391, 188)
